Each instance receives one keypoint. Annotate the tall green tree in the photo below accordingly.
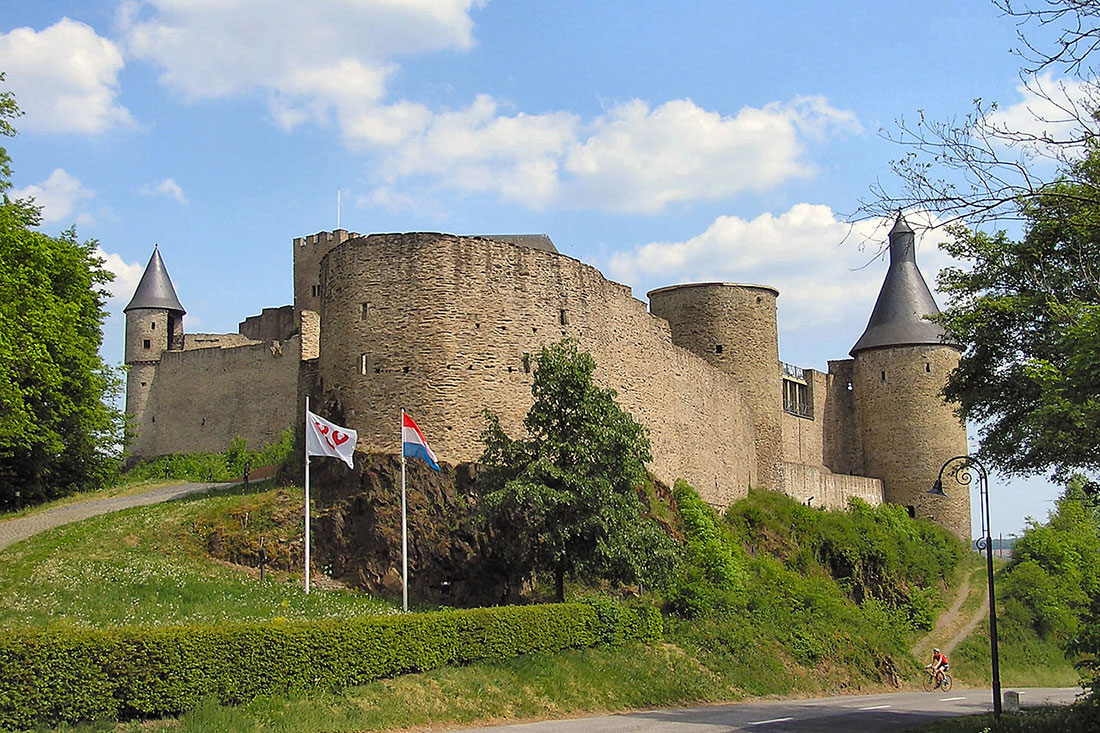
(563, 500)
(1027, 313)
(57, 435)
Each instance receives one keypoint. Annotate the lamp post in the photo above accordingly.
(963, 474)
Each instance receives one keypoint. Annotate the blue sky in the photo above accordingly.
(662, 142)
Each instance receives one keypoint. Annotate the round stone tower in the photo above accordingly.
(154, 324)
(733, 327)
(901, 364)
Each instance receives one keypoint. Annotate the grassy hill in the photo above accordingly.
(774, 598)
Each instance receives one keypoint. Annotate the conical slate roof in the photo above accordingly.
(155, 289)
(899, 315)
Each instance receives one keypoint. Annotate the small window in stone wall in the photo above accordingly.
(526, 363)
(364, 311)
(884, 375)
(315, 290)
(143, 384)
(147, 344)
(927, 367)
(718, 348)
(364, 364)
(153, 326)
(564, 317)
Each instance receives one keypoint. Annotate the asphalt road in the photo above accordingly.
(15, 530)
(884, 712)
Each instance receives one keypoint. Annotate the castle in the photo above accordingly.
(447, 325)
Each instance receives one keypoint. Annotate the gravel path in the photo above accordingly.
(15, 530)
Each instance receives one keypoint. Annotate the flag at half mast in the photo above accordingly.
(413, 444)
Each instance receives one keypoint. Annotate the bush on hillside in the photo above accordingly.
(875, 553)
(712, 573)
(71, 675)
(225, 466)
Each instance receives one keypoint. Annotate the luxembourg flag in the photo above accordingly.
(413, 444)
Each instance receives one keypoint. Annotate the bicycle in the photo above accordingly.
(930, 682)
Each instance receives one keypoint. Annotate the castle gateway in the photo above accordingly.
(447, 325)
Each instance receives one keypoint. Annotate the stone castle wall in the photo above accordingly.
(307, 255)
(200, 399)
(273, 324)
(827, 490)
(907, 429)
(804, 436)
(733, 328)
(447, 326)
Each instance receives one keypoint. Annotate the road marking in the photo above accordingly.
(875, 707)
(950, 699)
(773, 720)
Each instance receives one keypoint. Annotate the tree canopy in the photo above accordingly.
(57, 435)
(564, 499)
(1027, 313)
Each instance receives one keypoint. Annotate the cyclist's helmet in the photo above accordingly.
(936, 650)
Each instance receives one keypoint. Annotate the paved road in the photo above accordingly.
(884, 712)
(15, 530)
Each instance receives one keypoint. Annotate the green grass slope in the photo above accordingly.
(773, 598)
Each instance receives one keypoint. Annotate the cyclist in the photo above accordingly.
(939, 665)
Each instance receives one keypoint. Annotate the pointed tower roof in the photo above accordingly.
(899, 315)
(155, 289)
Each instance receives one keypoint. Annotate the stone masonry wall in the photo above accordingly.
(273, 324)
(733, 327)
(829, 490)
(908, 431)
(202, 398)
(803, 437)
(842, 444)
(307, 255)
(454, 324)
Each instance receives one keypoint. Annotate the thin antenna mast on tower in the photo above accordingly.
(337, 208)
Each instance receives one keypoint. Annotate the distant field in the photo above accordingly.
(143, 566)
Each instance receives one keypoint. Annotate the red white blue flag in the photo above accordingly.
(413, 444)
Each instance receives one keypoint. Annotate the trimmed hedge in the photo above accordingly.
(49, 677)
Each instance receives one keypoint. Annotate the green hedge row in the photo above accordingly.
(49, 677)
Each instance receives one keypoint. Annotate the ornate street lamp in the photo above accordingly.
(963, 474)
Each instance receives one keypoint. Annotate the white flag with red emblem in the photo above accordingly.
(328, 439)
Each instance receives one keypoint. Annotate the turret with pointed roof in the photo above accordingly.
(154, 325)
(904, 303)
(155, 289)
(901, 363)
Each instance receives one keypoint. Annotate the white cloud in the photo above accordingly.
(57, 197)
(1050, 109)
(317, 51)
(330, 62)
(65, 78)
(634, 158)
(813, 258)
(641, 159)
(127, 274)
(168, 188)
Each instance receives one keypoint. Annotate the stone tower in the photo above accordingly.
(154, 324)
(900, 366)
(733, 327)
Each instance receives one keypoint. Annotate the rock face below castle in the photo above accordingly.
(446, 326)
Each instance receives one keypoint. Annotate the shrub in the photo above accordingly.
(72, 675)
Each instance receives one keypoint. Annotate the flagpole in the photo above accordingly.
(404, 527)
(307, 499)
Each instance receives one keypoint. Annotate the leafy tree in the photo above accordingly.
(56, 433)
(1027, 313)
(564, 499)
